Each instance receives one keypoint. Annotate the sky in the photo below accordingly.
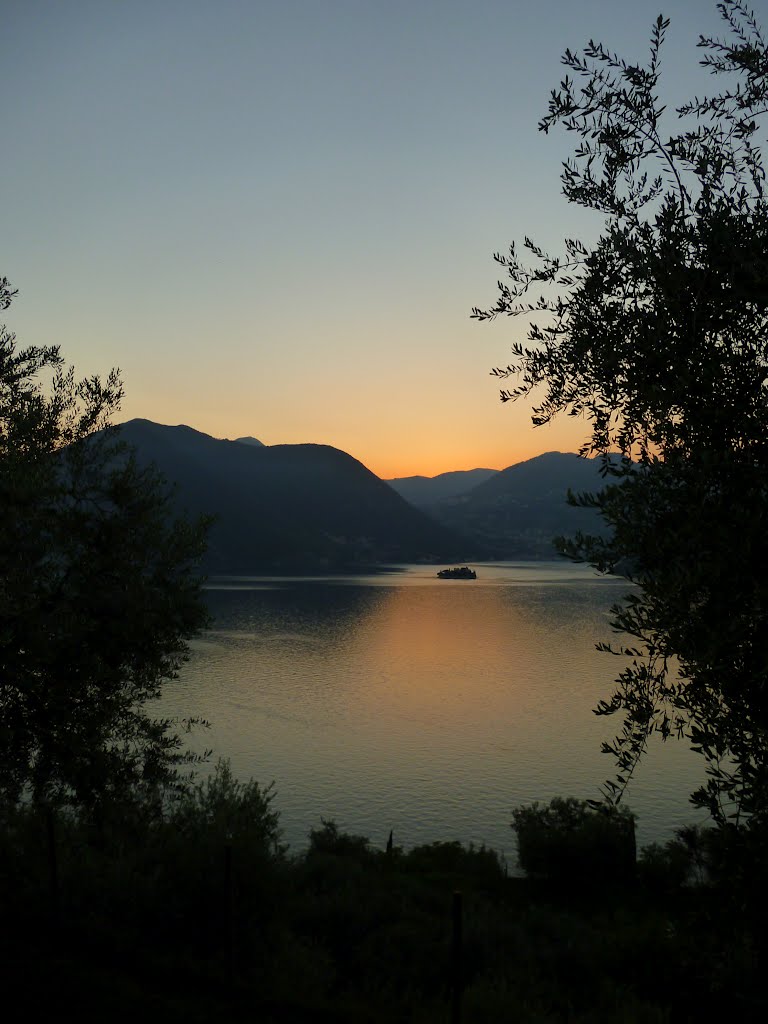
(275, 216)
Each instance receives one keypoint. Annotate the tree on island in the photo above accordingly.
(658, 336)
(99, 591)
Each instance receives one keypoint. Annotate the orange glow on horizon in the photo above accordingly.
(499, 452)
(394, 467)
(417, 456)
(406, 439)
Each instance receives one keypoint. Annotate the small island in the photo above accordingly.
(460, 573)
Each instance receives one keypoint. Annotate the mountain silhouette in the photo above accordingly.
(517, 512)
(426, 491)
(290, 507)
(250, 440)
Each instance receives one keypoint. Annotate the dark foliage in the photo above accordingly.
(569, 841)
(191, 910)
(98, 591)
(658, 336)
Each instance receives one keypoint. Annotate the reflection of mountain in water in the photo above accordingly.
(294, 613)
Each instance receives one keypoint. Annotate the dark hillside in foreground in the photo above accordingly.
(289, 507)
(516, 513)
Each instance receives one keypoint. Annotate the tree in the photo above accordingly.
(657, 335)
(99, 591)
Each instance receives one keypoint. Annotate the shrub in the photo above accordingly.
(461, 865)
(664, 868)
(569, 839)
(221, 809)
(329, 840)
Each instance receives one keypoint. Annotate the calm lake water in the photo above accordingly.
(430, 707)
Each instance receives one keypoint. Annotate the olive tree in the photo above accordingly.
(657, 335)
(99, 590)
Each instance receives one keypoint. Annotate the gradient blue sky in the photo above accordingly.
(275, 216)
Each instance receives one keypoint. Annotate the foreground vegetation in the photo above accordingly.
(126, 893)
(191, 909)
(656, 335)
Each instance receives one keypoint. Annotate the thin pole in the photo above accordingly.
(456, 958)
(229, 906)
(53, 867)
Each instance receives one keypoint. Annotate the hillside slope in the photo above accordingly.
(427, 491)
(517, 512)
(288, 507)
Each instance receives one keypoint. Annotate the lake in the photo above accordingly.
(431, 707)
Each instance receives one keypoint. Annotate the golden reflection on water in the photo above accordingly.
(431, 707)
(436, 650)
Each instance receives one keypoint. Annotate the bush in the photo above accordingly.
(569, 839)
(664, 868)
(221, 809)
(461, 866)
(199, 868)
(329, 840)
(219, 845)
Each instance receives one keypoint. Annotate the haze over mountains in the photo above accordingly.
(516, 512)
(308, 507)
(427, 491)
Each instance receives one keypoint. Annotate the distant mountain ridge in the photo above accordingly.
(426, 491)
(289, 507)
(518, 511)
(307, 507)
(250, 440)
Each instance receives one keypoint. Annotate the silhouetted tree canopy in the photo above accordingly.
(98, 589)
(657, 335)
